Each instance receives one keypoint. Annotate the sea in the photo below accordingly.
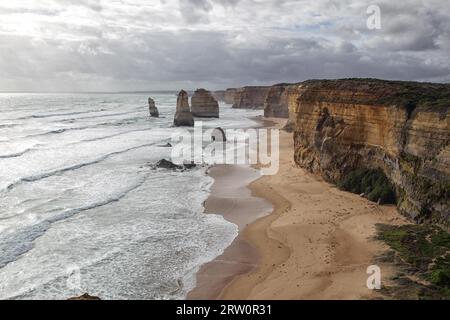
(82, 207)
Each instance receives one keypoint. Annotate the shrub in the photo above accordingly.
(373, 183)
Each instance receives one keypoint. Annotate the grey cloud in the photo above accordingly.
(220, 43)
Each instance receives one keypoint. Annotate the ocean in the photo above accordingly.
(83, 210)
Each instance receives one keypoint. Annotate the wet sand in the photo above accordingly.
(316, 244)
(231, 197)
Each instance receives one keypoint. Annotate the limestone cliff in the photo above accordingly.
(203, 104)
(250, 97)
(276, 102)
(402, 128)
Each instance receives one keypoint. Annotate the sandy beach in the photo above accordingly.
(316, 244)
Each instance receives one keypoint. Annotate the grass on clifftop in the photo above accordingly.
(424, 254)
(373, 183)
(411, 95)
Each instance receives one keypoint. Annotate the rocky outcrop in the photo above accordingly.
(203, 104)
(85, 297)
(250, 97)
(402, 128)
(152, 108)
(183, 115)
(230, 95)
(276, 102)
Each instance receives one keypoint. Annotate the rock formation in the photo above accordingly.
(402, 128)
(229, 96)
(276, 103)
(203, 104)
(85, 297)
(152, 108)
(250, 97)
(183, 115)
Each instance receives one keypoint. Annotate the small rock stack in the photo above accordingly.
(152, 108)
(183, 115)
(204, 104)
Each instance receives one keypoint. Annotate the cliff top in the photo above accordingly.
(412, 95)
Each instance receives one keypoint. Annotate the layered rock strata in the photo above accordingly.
(203, 104)
(250, 97)
(183, 115)
(402, 128)
(276, 102)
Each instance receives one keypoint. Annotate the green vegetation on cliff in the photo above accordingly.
(373, 183)
(423, 252)
(408, 94)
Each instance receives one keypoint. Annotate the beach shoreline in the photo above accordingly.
(316, 243)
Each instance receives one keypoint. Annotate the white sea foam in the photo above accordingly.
(77, 192)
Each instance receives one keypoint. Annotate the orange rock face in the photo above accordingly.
(402, 128)
(276, 102)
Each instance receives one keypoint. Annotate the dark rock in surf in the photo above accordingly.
(152, 108)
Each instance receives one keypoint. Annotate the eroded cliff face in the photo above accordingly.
(276, 102)
(250, 97)
(402, 128)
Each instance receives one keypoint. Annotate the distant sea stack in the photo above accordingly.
(152, 108)
(250, 97)
(401, 128)
(183, 115)
(203, 104)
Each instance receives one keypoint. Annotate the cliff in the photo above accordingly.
(401, 128)
(276, 103)
(203, 104)
(250, 97)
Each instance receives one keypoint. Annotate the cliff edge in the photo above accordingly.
(401, 128)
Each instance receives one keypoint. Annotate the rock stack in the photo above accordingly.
(204, 104)
(183, 115)
(152, 108)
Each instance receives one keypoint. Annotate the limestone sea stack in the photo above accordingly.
(203, 104)
(183, 115)
(152, 108)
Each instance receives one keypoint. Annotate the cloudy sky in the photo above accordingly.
(114, 45)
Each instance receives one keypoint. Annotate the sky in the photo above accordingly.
(140, 45)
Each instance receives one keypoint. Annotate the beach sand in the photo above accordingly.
(231, 197)
(316, 244)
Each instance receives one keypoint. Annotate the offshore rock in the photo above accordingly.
(183, 115)
(203, 104)
(152, 108)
